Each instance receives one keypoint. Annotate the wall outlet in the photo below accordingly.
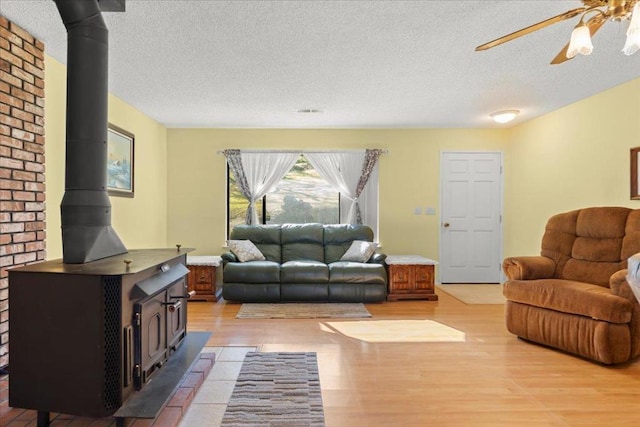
(417, 211)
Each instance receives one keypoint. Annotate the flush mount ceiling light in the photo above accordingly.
(601, 11)
(309, 111)
(504, 116)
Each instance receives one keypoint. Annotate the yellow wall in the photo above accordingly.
(409, 178)
(141, 222)
(574, 157)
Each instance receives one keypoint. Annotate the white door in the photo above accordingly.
(470, 217)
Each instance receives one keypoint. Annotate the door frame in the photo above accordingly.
(500, 153)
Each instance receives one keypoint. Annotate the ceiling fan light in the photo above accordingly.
(504, 116)
(580, 41)
(632, 43)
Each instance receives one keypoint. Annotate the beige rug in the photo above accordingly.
(396, 331)
(475, 293)
(302, 311)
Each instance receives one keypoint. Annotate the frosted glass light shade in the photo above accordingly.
(504, 116)
(633, 32)
(580, 42)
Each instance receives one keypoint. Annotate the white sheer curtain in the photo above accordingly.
(342, 171)
(263, 171)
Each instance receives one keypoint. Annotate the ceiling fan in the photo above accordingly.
(598, 12)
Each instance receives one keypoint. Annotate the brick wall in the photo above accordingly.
(22, 188)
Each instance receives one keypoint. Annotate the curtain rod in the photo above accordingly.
(303, 151)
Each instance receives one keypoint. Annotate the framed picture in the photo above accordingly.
(120, 165)
(635, 178)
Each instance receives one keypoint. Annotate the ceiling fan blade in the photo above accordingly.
(535, 27)
(594, 25)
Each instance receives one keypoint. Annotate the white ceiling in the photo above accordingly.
(365, 64)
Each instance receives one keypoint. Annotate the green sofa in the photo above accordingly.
(303, 264)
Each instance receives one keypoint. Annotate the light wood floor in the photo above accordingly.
(491, 379)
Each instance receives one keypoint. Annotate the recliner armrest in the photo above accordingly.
(528, 267)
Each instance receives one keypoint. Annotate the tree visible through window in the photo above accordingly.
(301, 197)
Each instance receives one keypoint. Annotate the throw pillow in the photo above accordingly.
(245, 250)
(359, 251)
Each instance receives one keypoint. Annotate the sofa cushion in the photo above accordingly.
(304, 272)
(359, 251)
(245, 250)
(570, 296)
(356, 272)
(265, 237)
(302, 242)
(252, 272)
(338, 238)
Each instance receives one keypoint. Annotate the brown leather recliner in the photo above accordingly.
(575, 296)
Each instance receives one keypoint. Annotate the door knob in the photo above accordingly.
(446, 225)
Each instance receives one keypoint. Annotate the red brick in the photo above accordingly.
(31, 206)
(40, 177)
(34, 226)
(24, 175)
(193, 379)
(34, 246)
(4, 64)
(4, 129)
(5, 217)
(29, 47)
(30, 127)
(24, 216)
(40, 197)
(26, 196)
(5, 87)
(20, 52)
(11, 100)
(10, 163)
(5, 151)
(12, 227)
(25, 258)
(28, 87)
(11, 249)
(6, 195)
(22, 115)
(20, 134)
(23, 155)
(169, 417)
(42, 255)
(39, 139)
(39, 45)
(25, 96)
(11, 206)
(41, 235)
(202, 365)
(24, 237)
(31, 69)
(182, 398)
(33, 167)
(33, 186)
(5, 109)
(23, 75)
(39, 102)
(33, 147)
(4, 22)
(6, 34)
(11, 59)
(4, 44)
(5, 173)
(31, 108)
(9, 184)
(12, 80)
(11, 121)
(23, 34)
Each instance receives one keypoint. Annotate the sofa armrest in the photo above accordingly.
(377, 258)
(528, 267)
(228, 257)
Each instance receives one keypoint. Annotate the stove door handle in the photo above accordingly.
(173, 306)
(189, 295)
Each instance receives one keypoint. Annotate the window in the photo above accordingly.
(302, 196)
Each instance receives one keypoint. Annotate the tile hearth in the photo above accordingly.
(202, 396)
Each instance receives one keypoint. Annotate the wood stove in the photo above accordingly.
(85, 337)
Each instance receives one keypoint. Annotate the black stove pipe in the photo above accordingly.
(87, 234)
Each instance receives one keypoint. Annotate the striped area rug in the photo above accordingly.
(276, 389)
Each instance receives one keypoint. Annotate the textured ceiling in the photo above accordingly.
(365, 64)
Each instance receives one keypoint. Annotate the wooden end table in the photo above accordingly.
(411, 277)
(202, 277)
